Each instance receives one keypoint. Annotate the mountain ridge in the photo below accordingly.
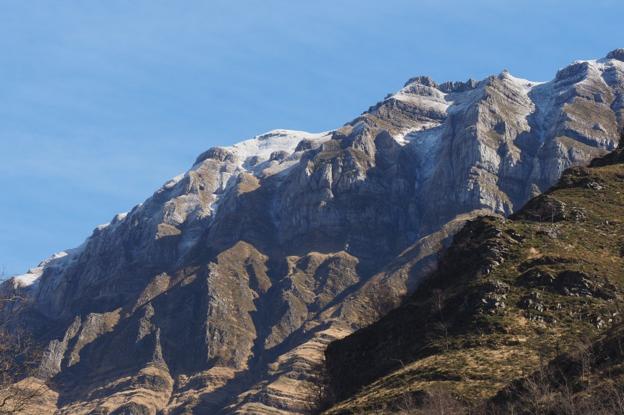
(268, 250)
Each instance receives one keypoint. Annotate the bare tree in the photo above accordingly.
(441, 326)
(18, 358)
(436, 401)
(442, 402)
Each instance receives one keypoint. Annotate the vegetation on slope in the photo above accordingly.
(510, 296)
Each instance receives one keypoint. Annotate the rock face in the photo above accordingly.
(509, 296)
(220, 292)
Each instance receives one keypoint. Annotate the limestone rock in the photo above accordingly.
(221, 290)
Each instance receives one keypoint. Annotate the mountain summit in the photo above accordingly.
(220, 293)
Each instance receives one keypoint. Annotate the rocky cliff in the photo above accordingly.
(220, 292)
(536, 298)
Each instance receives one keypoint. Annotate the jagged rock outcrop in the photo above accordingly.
(220, 292)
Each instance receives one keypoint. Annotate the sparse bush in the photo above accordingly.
(437, 401)
(19, 358)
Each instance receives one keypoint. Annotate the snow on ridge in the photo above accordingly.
(262, 146)
(173, 181)
(116, 219)
(182, 201)
(544, 94)
(59, 260)
(424, 96)
(598, 66)
(521, 83)
(421, 101)
(430, 97)
(599, 63)
(27, 279)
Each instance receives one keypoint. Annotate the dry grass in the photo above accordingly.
(472, 355)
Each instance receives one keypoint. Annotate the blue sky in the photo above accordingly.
(103, 101)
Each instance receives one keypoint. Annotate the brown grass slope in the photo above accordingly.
(586, 380)
(510, 295)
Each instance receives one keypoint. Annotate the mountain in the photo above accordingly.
(536, 297)
(220, 293)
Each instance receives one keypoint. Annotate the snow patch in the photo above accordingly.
(262, 146)
(422, 96)
(58, 261)
(420, 101)
(254, 156)
(116, 220)
(428, 99)
(28, 279)
(404, 137)
(120, 216)
(172, 182)
(520, 84)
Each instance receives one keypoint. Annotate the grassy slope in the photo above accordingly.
(586, 380)
(509, 296)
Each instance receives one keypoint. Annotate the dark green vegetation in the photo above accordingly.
(536, 298)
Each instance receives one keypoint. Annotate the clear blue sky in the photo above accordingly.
(103, 101)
